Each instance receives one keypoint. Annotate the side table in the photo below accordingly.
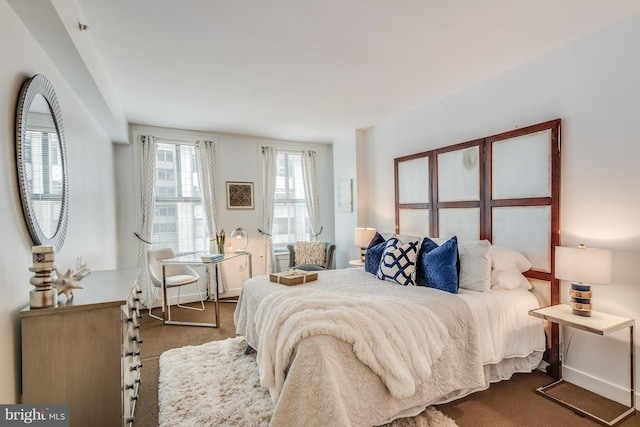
(600, 324)
(356, 263)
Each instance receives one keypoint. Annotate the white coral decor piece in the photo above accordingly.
(66, 283)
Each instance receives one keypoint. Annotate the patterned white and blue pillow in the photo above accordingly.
(398, 262)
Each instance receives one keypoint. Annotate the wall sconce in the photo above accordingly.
(239, 239)
(362, 237)
(583, 266)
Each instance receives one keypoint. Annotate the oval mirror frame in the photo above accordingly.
(39, 84)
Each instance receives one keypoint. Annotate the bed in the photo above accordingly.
(351, 349)
(326, 383)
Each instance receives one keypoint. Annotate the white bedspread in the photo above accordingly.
(399, 352)
(325, 383)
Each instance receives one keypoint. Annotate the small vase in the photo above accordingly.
(221, 248)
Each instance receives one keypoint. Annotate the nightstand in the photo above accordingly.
(600, 324)
(356, 263)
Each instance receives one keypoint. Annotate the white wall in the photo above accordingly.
(347, 149)
(238, 159)
(344, 161)
(593, 85)
(92, 221)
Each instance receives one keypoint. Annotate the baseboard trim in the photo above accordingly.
(598, 385)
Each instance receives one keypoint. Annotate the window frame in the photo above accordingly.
(166, 201)
(289, 203)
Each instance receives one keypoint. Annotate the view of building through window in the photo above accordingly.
(178, 221)
(43, 167)
(290, 219)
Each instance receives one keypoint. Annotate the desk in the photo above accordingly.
(195, 260)
(600, 324)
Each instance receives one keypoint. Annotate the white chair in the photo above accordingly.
(175, 276)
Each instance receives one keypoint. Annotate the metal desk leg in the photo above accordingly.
(217, 302)
(164, 296)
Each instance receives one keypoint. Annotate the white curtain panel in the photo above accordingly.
(269, 171)
(147, 147)
(206, 160)
(310, 174)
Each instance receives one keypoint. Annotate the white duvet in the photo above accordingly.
(400, 353)
(319, 379)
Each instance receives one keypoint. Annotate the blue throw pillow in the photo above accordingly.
(374, 254)
(398, 263)
(377, 239)
(438, 265)
(427, 245)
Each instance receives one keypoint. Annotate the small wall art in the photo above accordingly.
(345, 195)
(239, 195)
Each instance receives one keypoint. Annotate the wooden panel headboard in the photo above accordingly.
(504, 188)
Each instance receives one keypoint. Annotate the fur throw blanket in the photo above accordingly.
(397, 339)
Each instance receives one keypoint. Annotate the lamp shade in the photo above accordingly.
(362, 236)
(586, 265)
(240, 239)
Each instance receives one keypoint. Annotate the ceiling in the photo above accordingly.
(308, 70)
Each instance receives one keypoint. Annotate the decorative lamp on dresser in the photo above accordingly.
(86, 351)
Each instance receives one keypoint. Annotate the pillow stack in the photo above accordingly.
(446, 265)
(507, 266)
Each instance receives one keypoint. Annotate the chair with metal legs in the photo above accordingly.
(175, 276)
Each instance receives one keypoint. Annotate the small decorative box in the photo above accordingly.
(293, 277)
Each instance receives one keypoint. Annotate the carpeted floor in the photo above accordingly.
(510, 403)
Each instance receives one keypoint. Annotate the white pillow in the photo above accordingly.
(475, 265)
(503, 258)
(509, 279)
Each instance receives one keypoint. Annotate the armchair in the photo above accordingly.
(311, 256)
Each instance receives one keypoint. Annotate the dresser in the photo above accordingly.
(86, 352)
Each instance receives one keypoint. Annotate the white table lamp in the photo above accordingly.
(583, 267)
(239, 239)
(362, 237)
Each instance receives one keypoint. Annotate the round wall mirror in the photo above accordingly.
(42, 162)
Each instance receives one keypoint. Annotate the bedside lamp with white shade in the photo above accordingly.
(362, 237)
(583, 267)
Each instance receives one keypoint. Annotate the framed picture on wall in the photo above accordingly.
(239, 195)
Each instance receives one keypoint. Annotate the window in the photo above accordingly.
(290, 218)
(43, 167)
(178, 221)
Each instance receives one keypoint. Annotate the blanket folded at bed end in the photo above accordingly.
(397, 339)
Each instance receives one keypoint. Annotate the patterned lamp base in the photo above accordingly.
(581, 299)
(44, 295)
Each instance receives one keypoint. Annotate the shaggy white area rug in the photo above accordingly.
(216, 384)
